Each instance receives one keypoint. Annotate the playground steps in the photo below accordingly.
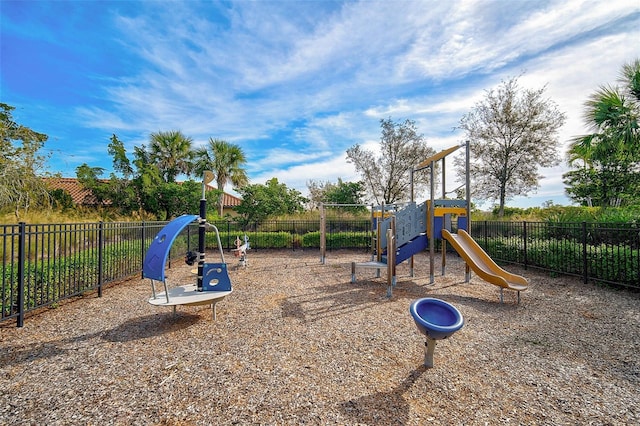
(410, 248)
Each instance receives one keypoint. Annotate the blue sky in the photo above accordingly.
(296, 83)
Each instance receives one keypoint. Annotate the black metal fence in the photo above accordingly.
(280, 234)
(594, 251)
(45, 264)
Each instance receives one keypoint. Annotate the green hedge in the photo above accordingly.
(554, 248)
(338, 240)
(558, 255)
(282, 239)
(620, 265)
(617, 264)
(273, 240)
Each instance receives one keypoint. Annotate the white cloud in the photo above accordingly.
(297, 83)
(278, 157)
(298, 176)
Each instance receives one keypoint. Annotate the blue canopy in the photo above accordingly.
(156, 257)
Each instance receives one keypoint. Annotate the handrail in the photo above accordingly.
(219, 241)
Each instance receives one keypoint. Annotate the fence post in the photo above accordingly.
(142, 250)
(255, 228)
(524, 236)
(293, 237)
(486, 224)
(21, 244)
(100, 256)
(585, 264)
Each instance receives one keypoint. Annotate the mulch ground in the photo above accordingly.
(298, 343)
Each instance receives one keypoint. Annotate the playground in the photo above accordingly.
(301, 337)
(298, 343)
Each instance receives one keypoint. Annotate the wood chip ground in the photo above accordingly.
(297, 343)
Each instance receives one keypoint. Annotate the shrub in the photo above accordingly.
(275, 240)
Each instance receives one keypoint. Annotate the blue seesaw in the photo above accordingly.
(213, 283)
(437, 320)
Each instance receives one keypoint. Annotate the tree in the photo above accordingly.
(512, 133)
(225, 160)
(121, 163)
(123, 190)
(139, 187)
(386, 176)
(120, 190)
(171, 152)
(262, 201)
(175, 199)
(338, 193)
(89, 178)
(61, 199)
(607, 161)
(21, 165)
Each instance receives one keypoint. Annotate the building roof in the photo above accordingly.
(83, 196)
(79, 195)
(230, 201)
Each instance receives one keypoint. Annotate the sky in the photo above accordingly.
(296, 83)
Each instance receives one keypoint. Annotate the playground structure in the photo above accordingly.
(436, 320)
(402, 233)
(213, 283)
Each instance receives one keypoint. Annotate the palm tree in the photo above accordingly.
(630, 78)
(612, 150)
(171, 152)
(225, 160)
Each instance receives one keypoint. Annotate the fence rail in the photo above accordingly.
(594, 251)
(45, 264)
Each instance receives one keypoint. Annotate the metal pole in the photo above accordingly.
(443, 242)
(100, 257)
(468, 196)
(432, 239)
(202, 221)
(525, 237)
(411, 184)
(585, 263)
(394, 232)
(468, 184)
(143, 237)
(373, 235)
(323, 235)
(21, 289)
(444, 181)
(391, 258)
(411, 260)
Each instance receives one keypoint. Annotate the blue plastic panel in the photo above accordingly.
(415, 246)
(156, 257)
(438, 224)
(215, 277)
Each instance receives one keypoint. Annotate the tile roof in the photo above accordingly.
(79, 195)
(83, 196)
(229, 200)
